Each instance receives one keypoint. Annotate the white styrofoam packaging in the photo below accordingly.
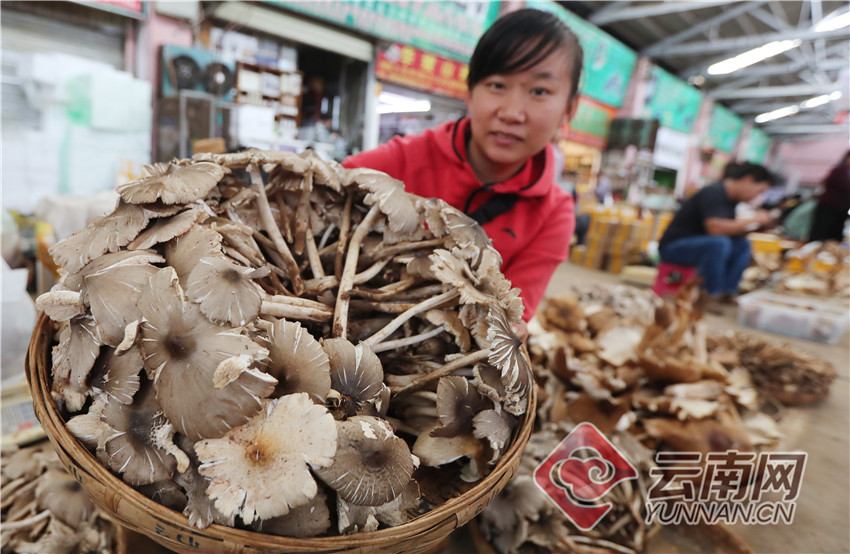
(816, 319)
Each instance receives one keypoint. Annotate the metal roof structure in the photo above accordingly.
(685, 37)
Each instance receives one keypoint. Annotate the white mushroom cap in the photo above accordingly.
(113, 293)
(372, 465)
(298, 361)
(260, 469)
(183, 350)
(496, 427)
(184, 252)
(61, 305)
(73, 359)
(225, 291)
(76, 281)
(173, 184)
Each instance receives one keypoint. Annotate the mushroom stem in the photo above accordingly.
(385, 307)
(421, 292)
(402, 247)
(385, 292)
(295, 312)
(272, 229)
(343, 236)
(277, 260)
(302, 214)
(346, 282)
(243, 196)
(11, 526)
(297, 301)
(243, 247)
(237, 255)
(409, 341)
(432, 302)
(400, 426)
(433, 376)
(318, 286)
(313, 255)
(327, 235)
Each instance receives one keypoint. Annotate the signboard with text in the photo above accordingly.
(757, 146)
(608, 63)
(591, 123)
(724, 129)
(416, 69)
(671, 100)
(449, 29)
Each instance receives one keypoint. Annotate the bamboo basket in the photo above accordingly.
(171, 529)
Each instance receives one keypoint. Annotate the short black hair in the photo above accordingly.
(520, 40)
(739, 170)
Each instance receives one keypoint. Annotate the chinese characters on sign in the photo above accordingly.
(414, 68)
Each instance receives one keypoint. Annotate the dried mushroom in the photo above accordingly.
(229, 297)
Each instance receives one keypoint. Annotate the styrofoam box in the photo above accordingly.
(815, 319)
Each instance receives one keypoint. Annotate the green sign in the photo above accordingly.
(724, 129)
(757, 146)
(671, 100)
(449, 29)
(608, 63)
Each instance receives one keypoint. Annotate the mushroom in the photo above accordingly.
(458, 402)
(298, 361)
(113, 293)
(261, 469)
(61, 305)
(389, 195)
(225, 291)
(183, 350)
(117, 377)
(63, 495)
(165, 229)
(371, 466)
(130, 446)
(310, 520)
(168, 493)
(183, 253)
(173, 184)
(506, 354)
(353, 518)
(73, 359)
(617, 345)
(436, 451)
(356, 373)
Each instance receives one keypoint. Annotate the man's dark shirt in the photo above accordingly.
(709, 202)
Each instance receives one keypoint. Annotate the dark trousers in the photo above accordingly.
(828, 223)
(719, 260)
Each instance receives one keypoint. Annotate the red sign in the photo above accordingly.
(132, 8)
(414, 68)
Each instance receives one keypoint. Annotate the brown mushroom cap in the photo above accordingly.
(74, 358)
(496, 427)
(298, 361)
(506, 354)
(372, 465)
(168, 493)
(260, 469)
(63, 495)
(225, 291)
(184, 252)
(310, 520)
(183, 350)
(76, 281)
(117, 377)
(130, 448)
(388, 193)
(173, 184)
(458, 402)
(165, 229)
(352, 518)
(356, 371)
(113, 293)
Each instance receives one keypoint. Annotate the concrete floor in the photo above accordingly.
(823, 431)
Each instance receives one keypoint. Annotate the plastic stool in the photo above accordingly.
(670, 277)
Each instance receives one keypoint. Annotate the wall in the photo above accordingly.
(809, 161)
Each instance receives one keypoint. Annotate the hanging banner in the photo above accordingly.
(449, 29)
(608, 63)
(411, 67)
(671, 100)
(129, 8)
(591, 123)
(724, 129)
(757, 146)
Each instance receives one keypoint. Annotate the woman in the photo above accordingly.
(497, 164)
(834, 201)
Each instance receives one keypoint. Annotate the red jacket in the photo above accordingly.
(533, 237)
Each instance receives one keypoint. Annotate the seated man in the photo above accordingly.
(705, 234)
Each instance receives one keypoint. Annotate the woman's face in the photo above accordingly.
(514, 116)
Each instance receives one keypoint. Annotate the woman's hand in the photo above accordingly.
(521, 330)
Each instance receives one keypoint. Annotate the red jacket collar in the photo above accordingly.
(536, 178)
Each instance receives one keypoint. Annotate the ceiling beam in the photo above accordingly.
(694, 30)
(791, 129)
(785, 68)
(606, 15)
(740, 44)
(770, 92)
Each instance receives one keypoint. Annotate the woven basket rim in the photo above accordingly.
(48, 414)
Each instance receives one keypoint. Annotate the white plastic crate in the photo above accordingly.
(815, 319)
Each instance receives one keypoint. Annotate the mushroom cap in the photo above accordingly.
(496, 427)
(388, 193)
(113, 293)
(323, 172)
(89, 427)
(63, 495)
(117, 378)
(260, 469)
(183, 350)
(453, 271)
(618, 345)
(166, 229)
(224, 291)
(105, 234)
(76, 281)
(184, 252)
(506, 353)
(450, 319)
(458, 402)
(310, 520)
(356, 371)
(168, 493)
(401, 509)
(74, 358)
(372, 465)
(298, 361)
(436, 451)
(130, 449)
(173, 184)
(61, 305)
(200, 509)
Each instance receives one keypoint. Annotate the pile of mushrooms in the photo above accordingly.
(523, 519)
(271, 341)
(45, 508)
(822, 269)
